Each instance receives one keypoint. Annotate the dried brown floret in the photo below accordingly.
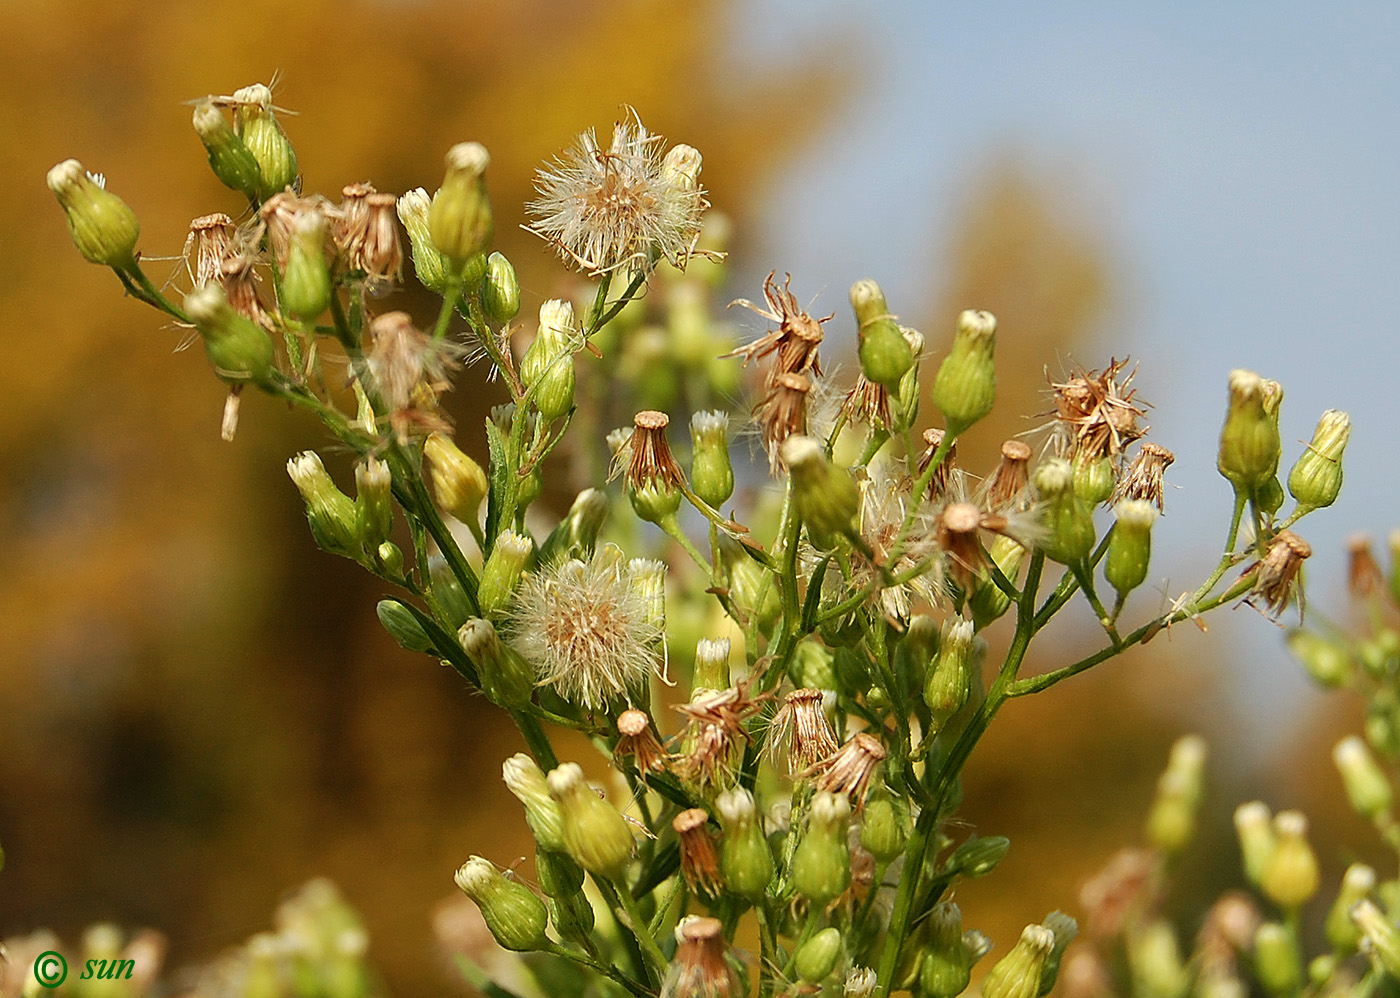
(794, 343)
(1006, 488)
(699, 860)
(1143, 479)
(638, 739)
(1276, 574)
(645, 454)
(851, 768)
(782, 413)
(1099, 411)
(946, 474)
(410, 369)
(800, 731)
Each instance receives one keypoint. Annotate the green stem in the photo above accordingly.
(148, 292)
(656, 960)
(535, 739)
(673, 530)
(607, 970)
(1228, 558)
(1085, 577)
(450, 294)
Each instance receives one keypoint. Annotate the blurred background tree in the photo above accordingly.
(198, 710)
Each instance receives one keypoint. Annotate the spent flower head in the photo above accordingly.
(622, 208)
(793, 345)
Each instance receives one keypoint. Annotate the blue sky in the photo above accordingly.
(1243, 163)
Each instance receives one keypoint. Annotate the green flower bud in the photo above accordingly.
(458, 482)
(1256, 835)
(374, 512)
(905, 402)
(826, 497)
(1154, 960)
(1172, 821)
(978, 856)
(306, 283)
(987, 602)
(711, 474)
(390, 558)
(946, 969)
(459, 219)
(1277, 960)
(402, 625)
(1327, 661)
(1383, 936)
(817, 957)
(558, 875)
(448, 593)
(1094, 479)
(655, 501)
(914, 655)
(506, 678)
(1316, 478)
(1017, 975)
(230, 159)
(238, 348)
(751, 586)
(595, 834)
(1368, 788)
(1065, 929)
(1249, 441)
(949, 681)
(884, 353)
(966, 385)
(1269, 496)
(744, 856)
(813, 666)
(1291, 876)
(711, 666)
(548, 365)
(428, 262)
(1342, 933)
(329, 511)
(258, 127)
(577, 534)
(513, 914)
(821, 864)
(500, 291)
(1130, 548)
(103, 228)
(525, 779)
(1069, 520)
(501, 573)
(885, 828)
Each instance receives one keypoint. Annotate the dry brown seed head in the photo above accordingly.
(1364, 575)
(1098, 411)
(700, 969)
(782, 413)
(1276, 574)
(946, 473)
(1007, 486)
(1121, 892)
(869, 403)
(647, 454)
(794, 343)
(211, 241)
(1143, 479)
(639, 741)
(850, 769)
(281, 214)
(801, 731)
(239, 276)
(699, 860)
(410, 369)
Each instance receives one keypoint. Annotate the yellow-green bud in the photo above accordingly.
(500, 291)
(1382, 935)
(374, 514)
(826, 497)
(577, 533)
(1069, 520)
(1094, 480)
(595, 834)
(402, 625)
(525, 779)
(229, 157)
(1017, 975)
(551, 352)
(306, 283)
(885, 355)
(979, 855)
(1342, 933)
(428, 262)
(711, 665)
(460, 220)
(330, 512)
(501, 573)
(1172, 821)
(1249, 440)
(1277, 961)
(751, 586)
(103, 228)
(260, 131)
(1316, 478)
(237, 347)
(458, 482)
(946, 969)
(390, 558)
(744, 856)
(966, 386)
(1256, 834)
(1130, 548)
(817, 957)
(1269, 496)
(1065, 929)
(821, 864)
(813, 666)
(1291, 876)
(1154, 960)
(905, 402)
(506, 678)
(987, 602)
(884, 828)
(1368, 788)
(513, 914)
(711, 474)
(949, 681)
(1327, 661)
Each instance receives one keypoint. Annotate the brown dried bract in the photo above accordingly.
(639, 740)
(794, 343)
(699, 860)
(646, 455)
(410, 369)
(945, 474)
(1363, 574)
(1143, 479)
(800, 731)
(1006, 488)
(1099, 411)
(1276, 575)
(851, 768)
(782, 413)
